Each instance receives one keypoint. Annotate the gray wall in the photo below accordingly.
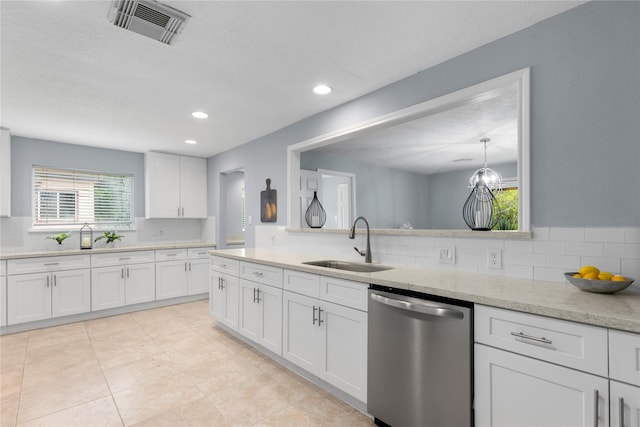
(585, 110)
(26, 152)
(387, 197)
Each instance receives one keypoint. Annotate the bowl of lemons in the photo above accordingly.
(591, 279)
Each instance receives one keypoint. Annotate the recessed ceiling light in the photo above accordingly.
(191, 141)
(199, 114)
(322, 89)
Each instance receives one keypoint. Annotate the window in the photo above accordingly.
(67, 197)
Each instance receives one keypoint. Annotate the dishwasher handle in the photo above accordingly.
(432, 310)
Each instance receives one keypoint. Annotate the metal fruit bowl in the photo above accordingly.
(597, 286)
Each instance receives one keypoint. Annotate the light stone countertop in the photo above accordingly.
(554, 299)
(103, 250)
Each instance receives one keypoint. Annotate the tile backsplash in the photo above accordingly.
(16, 234)
(551, 252)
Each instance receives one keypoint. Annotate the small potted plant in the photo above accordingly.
(111, 237)
(60, 237)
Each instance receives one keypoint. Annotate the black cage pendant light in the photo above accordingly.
(478, 210)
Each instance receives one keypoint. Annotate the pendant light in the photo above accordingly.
(478, 210)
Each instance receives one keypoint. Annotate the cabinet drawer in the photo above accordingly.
(562, 342)
(43, 264)
(261, 273)
(171, 254)
(624, 356)
(302, 283)
(198, 253)
(121, 258)
(344, 292)
(225, 265)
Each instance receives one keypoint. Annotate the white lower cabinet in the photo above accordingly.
(223, 298)
(328, 340)
(260, 316)
(39, 296)
(3, 294)
(512, 390)
(625, 405)
(122, 285)
(198, 276)
(171, 279)
(536, 371)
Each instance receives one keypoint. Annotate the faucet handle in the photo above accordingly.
(361, 253)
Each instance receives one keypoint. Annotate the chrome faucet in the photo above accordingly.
(352, 235)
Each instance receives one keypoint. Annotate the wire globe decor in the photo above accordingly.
(478, 210)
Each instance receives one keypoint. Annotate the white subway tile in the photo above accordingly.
(541, 233)
(518, 246)
(611, 234)
(584, 248)
(622, 250)
(548, 247)
(566, 234)
(566, 262)
(632, 235)
(534, 260)
(631, 267)
(549, 274)
(521, 271)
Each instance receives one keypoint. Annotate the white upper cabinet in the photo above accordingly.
(175, 186)
(5, 173)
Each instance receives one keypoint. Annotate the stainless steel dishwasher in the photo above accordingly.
(420, 359)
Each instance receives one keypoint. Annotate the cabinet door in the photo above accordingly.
(513, 390)
(216, 296)
(231, 287)
(107, 287)
(3, 300)
(249, 315)
(71, 292)
(270, 332)
(625, 405)
(171, 279)
(193, 187)
(140, 285)
(344, 356)
(198, 282)
(301, 335)
(162, 185)
(28, 297)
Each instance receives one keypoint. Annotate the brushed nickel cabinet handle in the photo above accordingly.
(314, 315)
(127, 272)
(621, 411)
(596, 398)
(51, 264)
(530, 337)
(258, 296)
(47, 281)
(320, 321)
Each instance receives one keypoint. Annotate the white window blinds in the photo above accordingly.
(67, 197)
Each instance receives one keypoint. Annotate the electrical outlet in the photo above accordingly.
(494, 258)
(447, 255)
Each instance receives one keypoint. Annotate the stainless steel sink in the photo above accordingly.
(349, 266)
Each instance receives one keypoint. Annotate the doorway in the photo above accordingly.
(232, 209)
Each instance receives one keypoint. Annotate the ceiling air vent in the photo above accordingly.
(149, 18)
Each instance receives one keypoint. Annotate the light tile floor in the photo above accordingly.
(168, 366)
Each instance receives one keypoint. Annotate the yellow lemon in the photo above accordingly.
(618, 278)
(590, 276)
(588, 269)
(604, 275)
(578, 276)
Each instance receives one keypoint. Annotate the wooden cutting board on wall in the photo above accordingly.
(269, 204)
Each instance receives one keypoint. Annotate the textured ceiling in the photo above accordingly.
(445, 141)
(69, 75)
